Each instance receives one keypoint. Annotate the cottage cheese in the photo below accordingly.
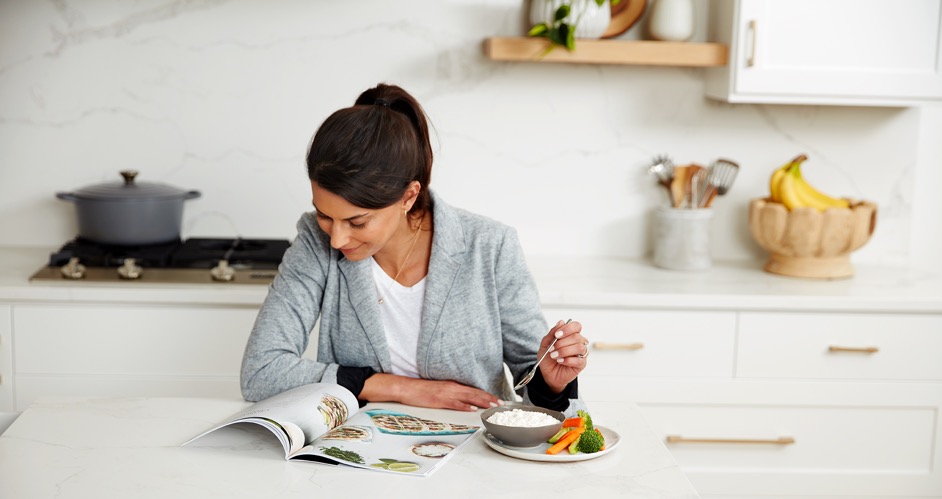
(521, 418)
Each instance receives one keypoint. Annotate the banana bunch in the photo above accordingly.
(788, 187)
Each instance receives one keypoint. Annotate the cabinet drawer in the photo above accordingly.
(840, 346)
(130, 340)
(643, 343)
(798, 450)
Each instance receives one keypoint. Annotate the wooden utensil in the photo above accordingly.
(695, 175)
(679, 186)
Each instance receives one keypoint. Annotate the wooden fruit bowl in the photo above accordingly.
(806, 242)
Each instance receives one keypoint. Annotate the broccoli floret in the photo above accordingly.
(588, 420)
(591, 441)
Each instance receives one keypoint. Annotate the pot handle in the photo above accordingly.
(191, 195)
(67, 196)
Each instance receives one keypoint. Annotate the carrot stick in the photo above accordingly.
(574, 422)
(564, 442)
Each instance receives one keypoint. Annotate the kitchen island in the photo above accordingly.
(131, 447)
(758, 384)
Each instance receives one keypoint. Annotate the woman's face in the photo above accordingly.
(357, 232)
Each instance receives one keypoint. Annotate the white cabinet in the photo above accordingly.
(128, 350)
(898, 347)
(781, 438)
(755, 403)
(6, 359)
(659, 343)
(848, 52)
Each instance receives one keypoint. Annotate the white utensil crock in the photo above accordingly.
(682, 238)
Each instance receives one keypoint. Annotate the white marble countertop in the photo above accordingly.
(594, 282)
(130, 447)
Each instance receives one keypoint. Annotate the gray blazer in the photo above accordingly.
(481, 311)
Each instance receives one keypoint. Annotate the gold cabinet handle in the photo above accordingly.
(601, 345)
(677, 439)
(751, 60)
(836, 348)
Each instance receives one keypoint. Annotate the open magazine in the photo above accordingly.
(322, 422)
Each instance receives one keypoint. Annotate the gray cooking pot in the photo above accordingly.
(129, 213)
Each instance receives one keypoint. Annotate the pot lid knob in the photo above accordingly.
(130, 269)
(128, 176)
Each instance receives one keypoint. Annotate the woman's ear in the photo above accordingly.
(411, 195)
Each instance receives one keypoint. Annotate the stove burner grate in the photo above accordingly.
(92, 254)
(193, 253)
(198, 253)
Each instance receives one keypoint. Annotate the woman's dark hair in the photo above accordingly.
(369, 153)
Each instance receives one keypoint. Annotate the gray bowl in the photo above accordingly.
(517, 436)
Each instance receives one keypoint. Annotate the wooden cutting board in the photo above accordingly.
(624, 15)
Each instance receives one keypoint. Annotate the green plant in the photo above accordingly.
(560, 31)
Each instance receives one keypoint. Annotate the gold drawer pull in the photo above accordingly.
(677, 439)
(601, 345)
(751, 60)
(835, 348)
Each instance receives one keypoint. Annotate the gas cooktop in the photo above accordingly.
(195, 260)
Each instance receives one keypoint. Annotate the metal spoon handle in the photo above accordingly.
(526, 379)
(548, 349)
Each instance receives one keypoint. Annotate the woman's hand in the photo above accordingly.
(426, 393)
(568, 356)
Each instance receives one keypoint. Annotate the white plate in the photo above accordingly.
(538, 453)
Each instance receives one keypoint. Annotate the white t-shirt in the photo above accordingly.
(401, 312)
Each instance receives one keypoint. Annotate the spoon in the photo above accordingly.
(529, 377)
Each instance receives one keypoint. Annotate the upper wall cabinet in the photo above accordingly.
(843, 52)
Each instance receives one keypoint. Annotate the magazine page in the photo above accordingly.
(390, 441)
(299, 415)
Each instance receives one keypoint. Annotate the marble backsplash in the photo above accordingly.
(223, 96)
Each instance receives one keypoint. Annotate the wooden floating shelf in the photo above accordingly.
(643, 53)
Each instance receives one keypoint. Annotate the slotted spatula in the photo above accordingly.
(721, 177)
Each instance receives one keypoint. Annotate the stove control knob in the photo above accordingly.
(130, 269)
(222, 272)
(73, 269)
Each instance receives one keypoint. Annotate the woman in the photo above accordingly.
(419, 303)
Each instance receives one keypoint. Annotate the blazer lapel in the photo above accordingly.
(444, 264)
(360, 290)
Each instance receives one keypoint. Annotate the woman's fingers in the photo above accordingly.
(445, 395)
(570, 343)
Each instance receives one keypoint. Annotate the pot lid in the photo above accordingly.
(129, 189)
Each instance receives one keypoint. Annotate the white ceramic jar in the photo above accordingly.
(590, 19)
(682, 238)
(671, 20)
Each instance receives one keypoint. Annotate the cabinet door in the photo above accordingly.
(115, 350)
(6, 359)
(865, 52)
